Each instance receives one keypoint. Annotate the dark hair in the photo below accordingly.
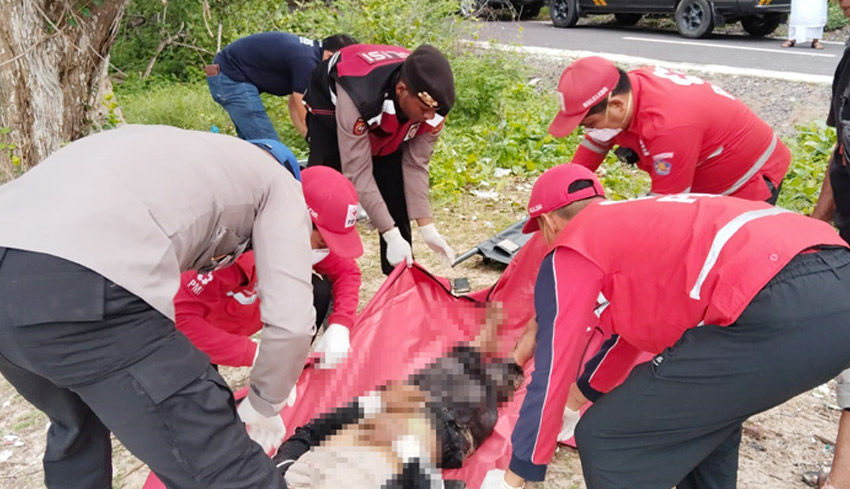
(337, 41)
(570, 210)
(623, 86)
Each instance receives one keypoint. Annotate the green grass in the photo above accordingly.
(497, 131)
(190, 106)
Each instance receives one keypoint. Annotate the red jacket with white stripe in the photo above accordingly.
(220, 310)
(692, 136)
(646, 271)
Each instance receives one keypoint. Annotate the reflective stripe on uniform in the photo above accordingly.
(333, 61)
(716, 153)
(388, 108)
(753, 169)
(722, 237)
(587, 143)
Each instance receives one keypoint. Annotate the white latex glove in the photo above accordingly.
(293, 395)
(437, 244)
(495, 479)
(398, 250)
(268, 432)
(568, 424)
(333, 345)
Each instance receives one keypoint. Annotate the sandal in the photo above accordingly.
(789, 43)
(815, 478)
(816, 44)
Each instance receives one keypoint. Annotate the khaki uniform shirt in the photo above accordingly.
(356, 161)
(141, 204)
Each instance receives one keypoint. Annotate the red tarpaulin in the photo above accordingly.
(412, 320)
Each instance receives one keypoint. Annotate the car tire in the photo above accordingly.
(564, 13)
(470, 8)
(628, 19)
(759, 26)
(528, 11)
(694, 18)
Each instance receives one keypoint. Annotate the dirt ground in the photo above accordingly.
(778, 445)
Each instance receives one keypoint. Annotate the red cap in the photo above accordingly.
(584, 83)
(552, 191)
(332, 203)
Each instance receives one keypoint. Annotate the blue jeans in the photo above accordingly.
(242, 102)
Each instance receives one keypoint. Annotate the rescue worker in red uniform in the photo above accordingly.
(220, 310)
(374, 113)
(689, 135)
(743, 305)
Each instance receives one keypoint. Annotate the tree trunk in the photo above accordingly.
(54, 56)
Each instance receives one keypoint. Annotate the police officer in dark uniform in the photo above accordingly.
(834, 206)
(374, 113)
(834, 201)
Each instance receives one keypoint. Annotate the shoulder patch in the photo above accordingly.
(360, 127)
(411, 131)
(662, 167)
(661, 163)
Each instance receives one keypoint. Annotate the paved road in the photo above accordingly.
(735, 51)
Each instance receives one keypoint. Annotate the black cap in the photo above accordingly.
(428, 74)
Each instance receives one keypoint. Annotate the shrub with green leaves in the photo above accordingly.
(835, 17)
(497, 130)
(184, 36)
(810, 152)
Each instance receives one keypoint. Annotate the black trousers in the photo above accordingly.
(97, 359)
(387, 170)
(677, 419)
(839, 178)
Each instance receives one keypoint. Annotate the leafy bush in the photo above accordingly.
(810, 152)
(497, 131)
(500, 119)
(184, 36)
(835, 17)
(9, 152)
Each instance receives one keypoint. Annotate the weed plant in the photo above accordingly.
(810, 152)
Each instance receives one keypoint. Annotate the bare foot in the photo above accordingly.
(788, 43)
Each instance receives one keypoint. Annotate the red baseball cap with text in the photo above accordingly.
(584, 83)
(559, 186)
(332, 203)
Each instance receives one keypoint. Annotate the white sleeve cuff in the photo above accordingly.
(371, 404)
(408, 447)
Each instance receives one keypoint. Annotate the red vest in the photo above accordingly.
(369, 73)
(678, 261)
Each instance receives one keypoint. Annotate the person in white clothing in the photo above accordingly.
(808, 18)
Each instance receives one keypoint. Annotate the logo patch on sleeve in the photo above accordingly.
(661, 163)
(360, 127)
(411, 132)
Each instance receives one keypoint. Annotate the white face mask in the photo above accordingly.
(602, 135)
(320, 254)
